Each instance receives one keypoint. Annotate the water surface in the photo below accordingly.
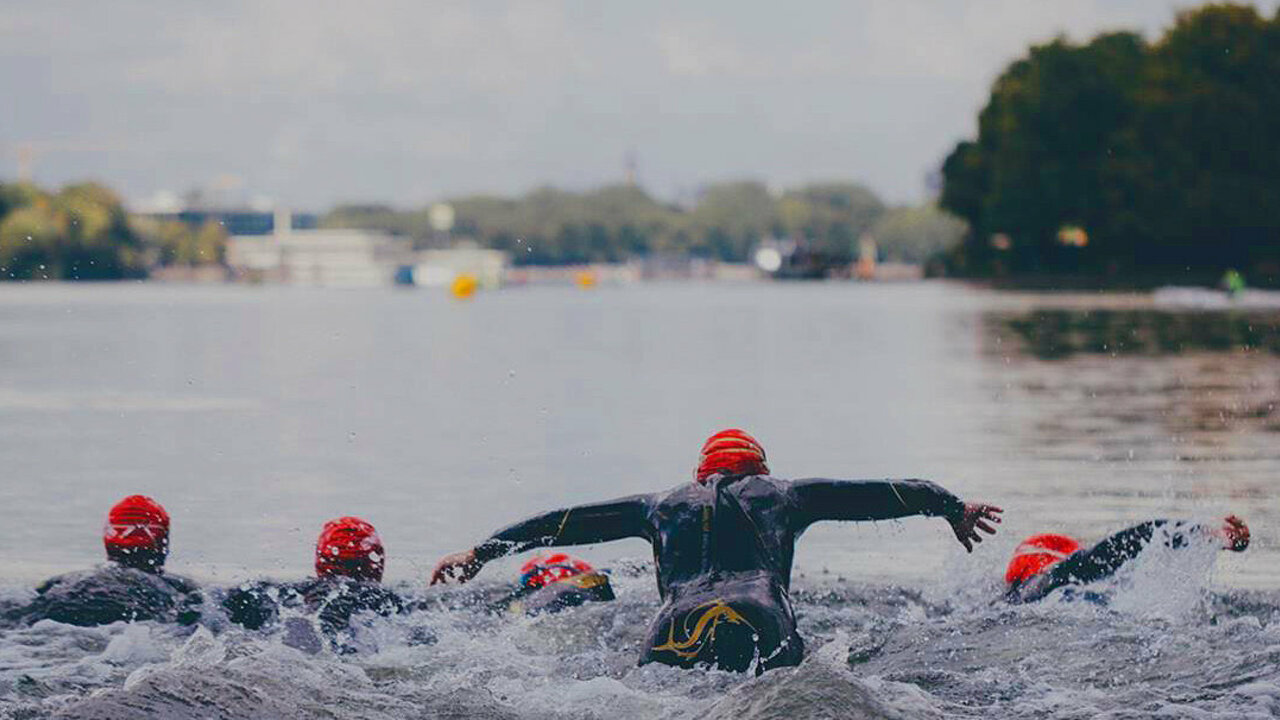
(254, 414)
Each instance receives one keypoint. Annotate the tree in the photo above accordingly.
(1210, 191)
(81, 233)
(917, 234)
(614, 222)
(830, 216)
(731, 218)
(1158, 159)
(1043, 139)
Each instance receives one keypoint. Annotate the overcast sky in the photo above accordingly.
(315, 102)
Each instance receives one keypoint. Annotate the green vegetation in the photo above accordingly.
(83, 233)
(917, 234)
(172, 243)
(609, 224)
(1126, 160)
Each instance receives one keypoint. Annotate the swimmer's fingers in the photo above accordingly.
(984, 516)
(1235, 534)
(459, 567)
(441, 574)
(976, 516)
(965, 535)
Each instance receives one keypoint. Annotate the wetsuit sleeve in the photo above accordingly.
(1105, 558)
(582, 525)
(820, 499)
(253, 607)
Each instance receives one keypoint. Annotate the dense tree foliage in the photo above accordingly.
(1125, 159)
(609, 224)
(917, 234)
(82, 232)
(171, 243)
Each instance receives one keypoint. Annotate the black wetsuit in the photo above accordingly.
(333, 600)
(723, 551)
(560, 595)
(1102, 560)
(112, 593)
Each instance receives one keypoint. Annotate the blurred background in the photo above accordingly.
(444, 265)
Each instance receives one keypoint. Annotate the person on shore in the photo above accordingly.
(723, 548)
(1046, 562)
(551, 582)
(349, 561)
(132, 585)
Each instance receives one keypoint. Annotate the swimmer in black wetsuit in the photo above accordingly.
(723, 548)
(349, 563)
(1044, 563)
(131, 586)
(551, 582)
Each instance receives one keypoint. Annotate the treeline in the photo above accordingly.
(1124, 159)
(614, 223)
(82, 232)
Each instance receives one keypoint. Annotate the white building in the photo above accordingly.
(440, 267)
(331, 258)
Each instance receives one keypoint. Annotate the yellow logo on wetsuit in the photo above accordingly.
(709, 616)
(586, 582)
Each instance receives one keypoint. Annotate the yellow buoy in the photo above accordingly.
(464, 286)
(586, 279)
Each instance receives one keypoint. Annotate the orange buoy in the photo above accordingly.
(464, 286)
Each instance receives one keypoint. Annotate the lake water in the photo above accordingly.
(254, 414)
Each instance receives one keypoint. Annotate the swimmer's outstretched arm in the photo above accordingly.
(821, 499)
(1105, 558)
(582, 525)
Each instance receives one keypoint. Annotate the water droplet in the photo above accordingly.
(351, 436)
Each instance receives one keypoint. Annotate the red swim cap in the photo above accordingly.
(546, 568)
(350, 547)
(730, 452)
(1036, 554)
(137, 533)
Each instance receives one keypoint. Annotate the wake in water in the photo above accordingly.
(1163, 646)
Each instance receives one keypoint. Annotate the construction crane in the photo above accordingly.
(28, 151)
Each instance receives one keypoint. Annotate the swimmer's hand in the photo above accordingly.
(976, 516)
(459, 567)
(1234, 534)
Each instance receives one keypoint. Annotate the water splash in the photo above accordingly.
(874, 651)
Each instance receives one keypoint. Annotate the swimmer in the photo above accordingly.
(1043, 563)
(132, 585)
(723, 548)
(349, 561)
(551, 582)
